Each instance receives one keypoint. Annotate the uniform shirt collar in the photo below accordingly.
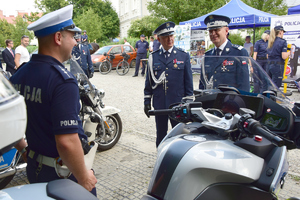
(223, 45)
(170, 50)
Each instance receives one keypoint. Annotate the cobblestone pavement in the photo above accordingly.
(124, 171)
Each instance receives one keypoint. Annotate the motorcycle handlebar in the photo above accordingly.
(255, 127)
(161, 112)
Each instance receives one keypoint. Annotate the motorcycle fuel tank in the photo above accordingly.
(187, 164)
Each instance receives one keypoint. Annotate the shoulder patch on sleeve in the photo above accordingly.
(63, 72)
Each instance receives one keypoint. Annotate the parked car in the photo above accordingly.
(117, 51)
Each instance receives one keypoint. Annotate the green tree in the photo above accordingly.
(92, 23)
(103, 8)
(145, 25)
(19, 30)
(276, 7)
(33, 16)
(6, 30)
(179, 10)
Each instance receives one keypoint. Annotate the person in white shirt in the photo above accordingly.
(151, 44)
(125, 42)
(248, 45)
(21, 53)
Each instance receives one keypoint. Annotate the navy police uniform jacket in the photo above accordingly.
(179, 79)
(227, 69)
(52, 98)
(142, 46)
(83, 58)
(279, 46)
(261, 48)
(156, 45)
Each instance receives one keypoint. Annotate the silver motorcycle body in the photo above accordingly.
(215, 152)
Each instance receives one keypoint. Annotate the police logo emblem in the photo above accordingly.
(211, 17)
(168, 25)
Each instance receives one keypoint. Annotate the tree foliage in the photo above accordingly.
(145, 25)
(6, 30)
(91, 22)
(106, 14)
(276, 7)
(19, 30)
(179, 10)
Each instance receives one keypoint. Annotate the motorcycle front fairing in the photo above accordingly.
(202, 165)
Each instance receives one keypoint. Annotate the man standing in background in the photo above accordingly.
(141, 47)
(156, 43)
(21, 53)
(248, 45)
(9, 56)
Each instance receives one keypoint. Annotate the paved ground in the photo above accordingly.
(124, 171)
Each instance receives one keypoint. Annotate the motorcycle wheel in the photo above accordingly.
(5, 181)
(109, 140)
(105, 67)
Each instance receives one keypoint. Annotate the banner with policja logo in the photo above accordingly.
(193, 42)
(291, 24)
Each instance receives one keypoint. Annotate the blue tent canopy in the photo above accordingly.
(241, 15)
(294, 10)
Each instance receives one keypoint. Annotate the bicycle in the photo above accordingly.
(123, 66)
(106, 66)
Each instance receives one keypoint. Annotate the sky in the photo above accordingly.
(10, 7)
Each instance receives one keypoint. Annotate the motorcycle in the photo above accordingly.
(229, 144)
(101, 123)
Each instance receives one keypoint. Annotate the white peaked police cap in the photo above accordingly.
(58, 20)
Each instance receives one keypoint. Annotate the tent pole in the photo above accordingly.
(253, 35)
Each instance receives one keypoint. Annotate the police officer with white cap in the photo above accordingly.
(169, 78)
(226, 69)
(54, 130)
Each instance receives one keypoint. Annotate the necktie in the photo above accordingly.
(218, 50)
(11, 53)
(167, 54)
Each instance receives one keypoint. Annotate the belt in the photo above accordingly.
(261, 58)
(276, 62)
(45, 160)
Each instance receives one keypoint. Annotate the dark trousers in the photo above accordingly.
(293, 64)
(46, 174)
(162, 127)
(140, 56)
(275, 71)
(11, 70)
(260, 83)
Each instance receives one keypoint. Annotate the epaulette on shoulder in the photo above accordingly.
(238, 46)
(180, 49)
(63, 72)
(155, 51)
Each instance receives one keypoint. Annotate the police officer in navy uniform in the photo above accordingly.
(82, 55)
(169, 78)
(54, 130)
(156, 43)
(225, 69)
(277, 53)
(260, 55)
(141, 47)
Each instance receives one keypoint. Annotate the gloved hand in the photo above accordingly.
(91, 75)
(147, 107)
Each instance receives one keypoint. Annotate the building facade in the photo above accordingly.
(130, 10)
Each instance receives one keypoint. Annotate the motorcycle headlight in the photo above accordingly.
(100, 93)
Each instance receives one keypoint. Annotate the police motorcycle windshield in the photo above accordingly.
(77, 71)
(242, 73)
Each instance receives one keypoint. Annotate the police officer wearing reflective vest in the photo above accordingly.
(82, 55)
(225, 69)
(277, 53)
(169, 78)
(141, 47)
(54, 130)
